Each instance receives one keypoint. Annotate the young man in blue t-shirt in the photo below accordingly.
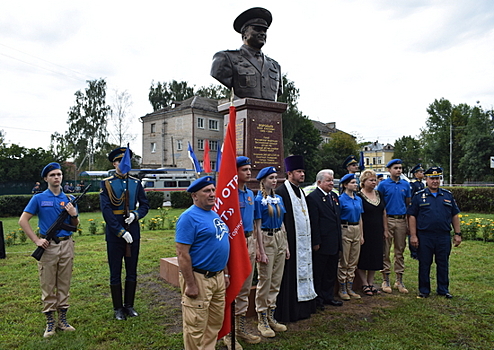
(396, 193)
(55, 266)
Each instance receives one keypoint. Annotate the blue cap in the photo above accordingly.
(393, 161)
(50, 167)
(200, 183)
(380, 175)
(416, 168)
(242, 160)
(347, 178)
(117, 154)
(434, 171)
(349, 160)
(265, 172)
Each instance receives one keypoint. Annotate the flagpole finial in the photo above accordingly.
(231, 97)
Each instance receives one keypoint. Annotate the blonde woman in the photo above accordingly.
(375, 228)
(273, 250)
(351, 234)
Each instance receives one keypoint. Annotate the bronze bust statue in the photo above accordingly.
(250, 72)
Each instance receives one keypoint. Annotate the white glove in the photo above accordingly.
(131, 218)
(128, 237)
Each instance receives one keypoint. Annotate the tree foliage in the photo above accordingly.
(409, 150)
(164, 94)
(334, 153)
(305, 142)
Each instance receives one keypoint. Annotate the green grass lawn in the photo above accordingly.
(379, 322)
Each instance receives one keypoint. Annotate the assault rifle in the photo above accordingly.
(59, 224)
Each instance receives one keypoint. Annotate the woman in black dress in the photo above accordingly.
(375, 230)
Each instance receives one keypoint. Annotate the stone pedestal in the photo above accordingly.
(259, 132)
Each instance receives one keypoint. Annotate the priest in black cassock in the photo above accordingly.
(296, 299)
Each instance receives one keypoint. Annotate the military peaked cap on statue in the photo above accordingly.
(256, 16)
(349, 160)
(200, 183)
(294, 163)
(434, 171)
(392, 162)
(50, 167)
(242, 160)
(416, 168)
(117, 154)
(265, 172)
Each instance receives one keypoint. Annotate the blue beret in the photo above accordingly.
(380, 175)
(242, 160)
(349, 160)
(50, 167)
(416, 168)
(265, 172)
(434, 171)
(200, 183)
(393, 161)
(347, 178)
(117, 154)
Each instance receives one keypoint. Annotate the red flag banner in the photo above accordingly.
(227, 207)
(206, 161)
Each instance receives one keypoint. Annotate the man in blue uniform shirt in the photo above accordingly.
(55, 266)
(203, 248)
(122, 233)
(396, 193)
(432, 212)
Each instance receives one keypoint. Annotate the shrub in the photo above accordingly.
(155, 199)
(181, 199)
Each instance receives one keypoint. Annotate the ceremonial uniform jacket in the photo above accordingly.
(112, 202)
(241, 70)
(416, 185)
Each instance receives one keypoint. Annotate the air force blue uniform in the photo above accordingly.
(433, 213)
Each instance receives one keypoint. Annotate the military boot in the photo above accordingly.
(275, 326)
(263, 325)
(242, 332)
(386, 287)
(343, 293)
(399, 284)
(350, 291)
(62, 321)
(130, 293)
(227, 340)
(116, 296)
(50, 325)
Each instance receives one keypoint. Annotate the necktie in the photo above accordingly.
(259, 57)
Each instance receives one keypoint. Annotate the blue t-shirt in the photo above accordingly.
(48, 207)
(207, 236)
(395, 194)
(433, 211)
(351, 208)
(262, 212)
(247, 208)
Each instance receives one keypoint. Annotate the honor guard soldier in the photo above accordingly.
(122, 232)
(250, 72)
(351, 165)
(55, 265)
(417, 184)
(432, 212)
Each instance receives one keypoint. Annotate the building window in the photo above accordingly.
(366, 161)
(153, 127)
(153, 147)
(180, 145)
(200, 145)
(379, 160)
(213, 165)
(200, 123)
(213, 124)
(213, 145)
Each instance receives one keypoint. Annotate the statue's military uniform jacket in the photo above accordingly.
(241, 70)
(112, 201)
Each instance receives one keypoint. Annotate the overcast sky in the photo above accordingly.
(371, 66)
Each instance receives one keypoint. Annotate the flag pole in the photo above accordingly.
(232, 311)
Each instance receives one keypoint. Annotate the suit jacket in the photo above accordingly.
(325, 222)
(241, 70)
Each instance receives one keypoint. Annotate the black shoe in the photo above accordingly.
(333, 302)
(447, 296)
(129, 310)
(422, 296)
(120, 314)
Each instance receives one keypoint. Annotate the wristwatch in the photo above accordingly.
(458, 234)
(75, 216)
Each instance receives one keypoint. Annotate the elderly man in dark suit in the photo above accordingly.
(250, 72)
(324, 213)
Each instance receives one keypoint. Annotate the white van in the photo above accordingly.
(167, 183)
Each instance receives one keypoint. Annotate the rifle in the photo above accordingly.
(59, 224)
